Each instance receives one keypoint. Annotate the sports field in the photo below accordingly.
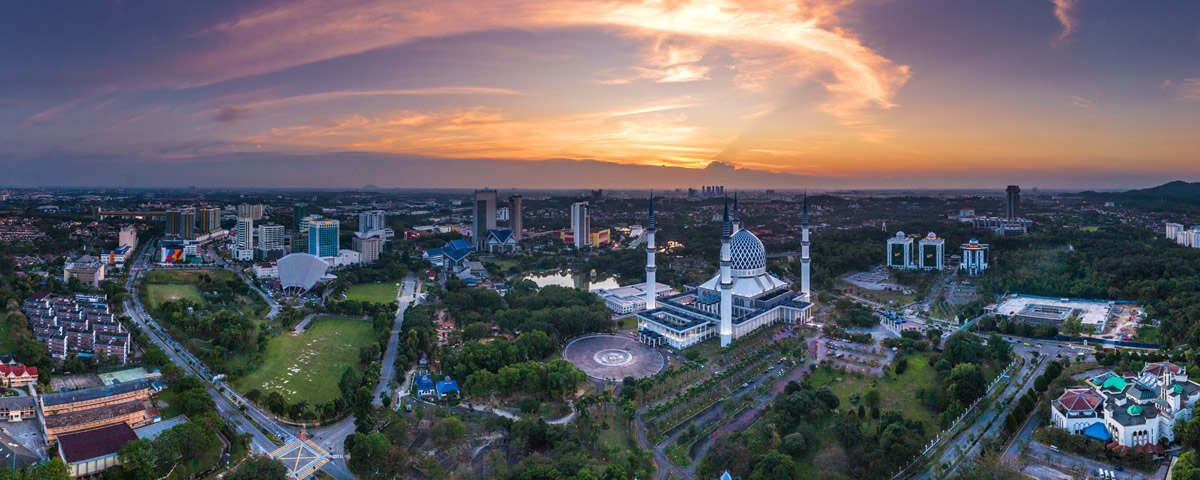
(161, 293)
(308, 366)
(373, 292)
(187, 276)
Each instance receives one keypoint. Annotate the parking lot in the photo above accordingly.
(28, 433)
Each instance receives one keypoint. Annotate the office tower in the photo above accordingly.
(1014, 202)
(243, 241)
(514, 216)
(323, 238)
(253, 211)
(932, 249)
(372, 220)
(581, 224)
(298, 242)
(974, 257)
(484, 217)
(299, 211)
(367, 246)
(899, 251)
(181, 223)
(210, 219)
(270, 237)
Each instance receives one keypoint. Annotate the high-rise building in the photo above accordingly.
(372, 220)
(253, 211)
(1013, 206)
(299, 211)
(323, 238)
(270, 237)
(581, 225)
(367, 246)
(484, 217)
(1173, 230)
(932, 249)
(899, 251)
(514, 216)
(181, 223)
(210, 219)
(243, 240)
(974, 257)
(298, 242)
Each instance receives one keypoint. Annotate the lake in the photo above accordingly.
(575, 279)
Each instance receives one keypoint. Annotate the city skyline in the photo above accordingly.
(866, 94)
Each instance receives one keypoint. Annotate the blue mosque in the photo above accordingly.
(738, 300)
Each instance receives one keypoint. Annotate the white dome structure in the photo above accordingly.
(301, 271)
(749, 257)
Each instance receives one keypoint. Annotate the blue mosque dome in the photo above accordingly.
(749, 257)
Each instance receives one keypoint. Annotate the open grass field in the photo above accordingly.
(186, 276)
(384, 292)
(162, 293)
(308, 366)
(895, 393)
(6, 339)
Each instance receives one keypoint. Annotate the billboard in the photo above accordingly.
(172, 255)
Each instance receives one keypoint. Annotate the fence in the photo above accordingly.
(937, 440)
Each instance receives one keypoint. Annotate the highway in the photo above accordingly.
(229, 403)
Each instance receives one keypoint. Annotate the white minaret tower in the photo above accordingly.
(737, 215)
(726, 281)
(651, 298)
(804, 260)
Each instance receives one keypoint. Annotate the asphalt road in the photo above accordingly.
(259, 443)
(405, 297)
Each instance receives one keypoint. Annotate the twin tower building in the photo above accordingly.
(741, 298)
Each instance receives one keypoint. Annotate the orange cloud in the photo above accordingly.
(769, 39)
(1066, 12)
(650, 134)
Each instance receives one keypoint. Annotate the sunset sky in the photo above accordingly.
(867, 93)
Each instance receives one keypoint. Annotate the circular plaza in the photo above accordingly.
(613, 357)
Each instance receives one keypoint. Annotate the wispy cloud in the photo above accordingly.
(235, 113)
(768, 39)
(1080, 102)
(1189, 90)
(1066, 11)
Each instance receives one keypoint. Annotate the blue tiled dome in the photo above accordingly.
(748, 254)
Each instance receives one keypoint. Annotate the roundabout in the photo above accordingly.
(613, 357)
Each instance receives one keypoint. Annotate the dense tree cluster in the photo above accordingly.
(1119, 262)
(786, 436)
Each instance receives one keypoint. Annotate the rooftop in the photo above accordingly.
(93, 415)
(90, 444)
(55, 399)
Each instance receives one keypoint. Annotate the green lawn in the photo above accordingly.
(6, 340)
(896, 393)
(162, 293)
(186, 276)
(308, 366)
(384, 292)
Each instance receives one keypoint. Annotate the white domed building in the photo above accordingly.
(738, 300)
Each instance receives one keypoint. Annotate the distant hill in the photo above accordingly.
(1177, 195)
(1177, 190)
